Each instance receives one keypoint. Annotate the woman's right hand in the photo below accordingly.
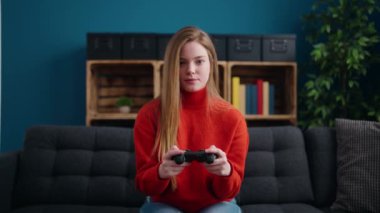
(168, 168)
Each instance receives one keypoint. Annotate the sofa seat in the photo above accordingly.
(74, 209)
(281, 208)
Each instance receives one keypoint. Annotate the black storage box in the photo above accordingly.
(279, 47)
(139, 46)
(104, 46)
(163, 40)
(220, 43)
(244, 48)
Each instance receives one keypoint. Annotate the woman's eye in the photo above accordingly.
(200, 61)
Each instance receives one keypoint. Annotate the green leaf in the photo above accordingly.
(355, 54)
(339, 99)
(313, 93)
(326, 28)
(326, 84)
(309, 84)
(363, 41)
(351, 84)
(370, 10)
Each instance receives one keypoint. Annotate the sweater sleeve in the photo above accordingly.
(229, 186)
(147, 178)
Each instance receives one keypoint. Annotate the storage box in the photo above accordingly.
(244, 48)
(139, 46)
(279, 47)
(103, 46)
(163, 40)
(220, 43)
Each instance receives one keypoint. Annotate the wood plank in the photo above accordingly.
(123, 81)
(113, 109)
(111, 102)
(125, 91)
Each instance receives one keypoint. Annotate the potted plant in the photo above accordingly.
(342, 37)
(124, 104)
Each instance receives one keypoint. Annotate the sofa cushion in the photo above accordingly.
(321, 152)
(8, 168)
(358, 172)
(74, 209)
(276, 168)
(281, 208)
(77, 165)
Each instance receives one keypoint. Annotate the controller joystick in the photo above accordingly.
(189, 156)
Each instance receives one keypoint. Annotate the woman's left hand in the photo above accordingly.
(220, 166)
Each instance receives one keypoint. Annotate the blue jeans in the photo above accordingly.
(155, 207)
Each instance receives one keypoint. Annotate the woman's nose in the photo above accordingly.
(191, 68)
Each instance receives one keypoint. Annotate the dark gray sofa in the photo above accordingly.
(91, 169)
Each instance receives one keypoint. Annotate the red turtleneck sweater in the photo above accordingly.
(200, 127)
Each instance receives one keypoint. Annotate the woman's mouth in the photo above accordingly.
(191, 81)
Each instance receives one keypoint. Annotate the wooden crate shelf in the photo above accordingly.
(283, 75)
(108, 80)
(223, 75)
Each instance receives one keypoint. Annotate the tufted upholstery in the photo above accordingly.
(276, 169)
(77, 165)
(321, 152)
(75, 209)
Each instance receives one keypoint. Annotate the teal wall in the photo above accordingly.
(43, 41)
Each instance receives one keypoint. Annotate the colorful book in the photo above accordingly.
(254, 102)
(265, 98)
(248, 98)
(242, 99)
(259, 84)
(271, 99)
(251, 99)
(235, 91)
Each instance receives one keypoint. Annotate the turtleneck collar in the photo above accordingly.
(194, 100)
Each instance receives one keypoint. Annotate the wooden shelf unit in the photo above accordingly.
(106, 80)
(223, 76)
(283, 75)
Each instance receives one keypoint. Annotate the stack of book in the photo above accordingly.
(256, 98)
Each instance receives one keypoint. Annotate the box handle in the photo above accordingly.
(278, 46)
(139, 44)
(243, 45)
(103, 43)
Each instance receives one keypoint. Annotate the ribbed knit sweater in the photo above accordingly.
(200, 127)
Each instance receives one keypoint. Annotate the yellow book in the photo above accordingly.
(242, 99)
(265, 98)
(235, 91)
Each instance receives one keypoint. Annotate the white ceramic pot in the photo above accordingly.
(125, 109)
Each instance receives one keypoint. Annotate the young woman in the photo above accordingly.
(190, 115)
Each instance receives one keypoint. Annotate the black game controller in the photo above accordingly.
(200, 156)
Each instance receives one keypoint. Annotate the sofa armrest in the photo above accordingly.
(8, 168)
(321, 150)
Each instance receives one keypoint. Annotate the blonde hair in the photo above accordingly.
(170, 97)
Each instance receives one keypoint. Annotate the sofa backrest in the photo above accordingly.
(276, 168)
(77, 165)
(321, 152)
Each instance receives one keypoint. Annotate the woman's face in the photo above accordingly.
(194, 67)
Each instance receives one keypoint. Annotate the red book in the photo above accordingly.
(259, 83)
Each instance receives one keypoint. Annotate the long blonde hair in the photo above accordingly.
(170, 97)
